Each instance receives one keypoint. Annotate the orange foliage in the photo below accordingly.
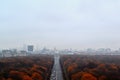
(26, 68)
(16, 73)
(87, 76)
(91, 67)
(76, 76)
(37, 76)
(26, 77)
(71, 67)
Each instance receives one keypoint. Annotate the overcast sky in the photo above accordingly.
(76, 24)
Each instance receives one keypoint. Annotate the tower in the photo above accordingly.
(30, 48)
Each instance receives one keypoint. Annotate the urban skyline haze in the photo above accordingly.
(76, 24)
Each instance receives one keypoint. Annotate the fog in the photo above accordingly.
(76, 24)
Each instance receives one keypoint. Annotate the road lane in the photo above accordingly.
(56, 72)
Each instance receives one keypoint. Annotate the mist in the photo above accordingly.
(62, 24)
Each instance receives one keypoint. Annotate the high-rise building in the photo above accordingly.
(30, 48)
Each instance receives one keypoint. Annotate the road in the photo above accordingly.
(56, 72)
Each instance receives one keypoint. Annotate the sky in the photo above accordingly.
(76, 24)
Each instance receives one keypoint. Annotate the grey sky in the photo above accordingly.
(74, 24)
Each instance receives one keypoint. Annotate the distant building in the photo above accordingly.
(44, 51)
(1, 54)
(22, 53)
(30, 48)
(7, 53)
(108, 50)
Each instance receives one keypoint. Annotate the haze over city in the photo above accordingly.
(76, 24)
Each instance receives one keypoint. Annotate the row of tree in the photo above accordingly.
(78, 67)
(36, 67)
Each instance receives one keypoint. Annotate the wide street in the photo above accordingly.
(56, 72)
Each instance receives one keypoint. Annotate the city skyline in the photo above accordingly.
(77, 24)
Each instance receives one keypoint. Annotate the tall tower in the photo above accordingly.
(30, 48)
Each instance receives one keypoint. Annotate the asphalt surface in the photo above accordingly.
(56, 72)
